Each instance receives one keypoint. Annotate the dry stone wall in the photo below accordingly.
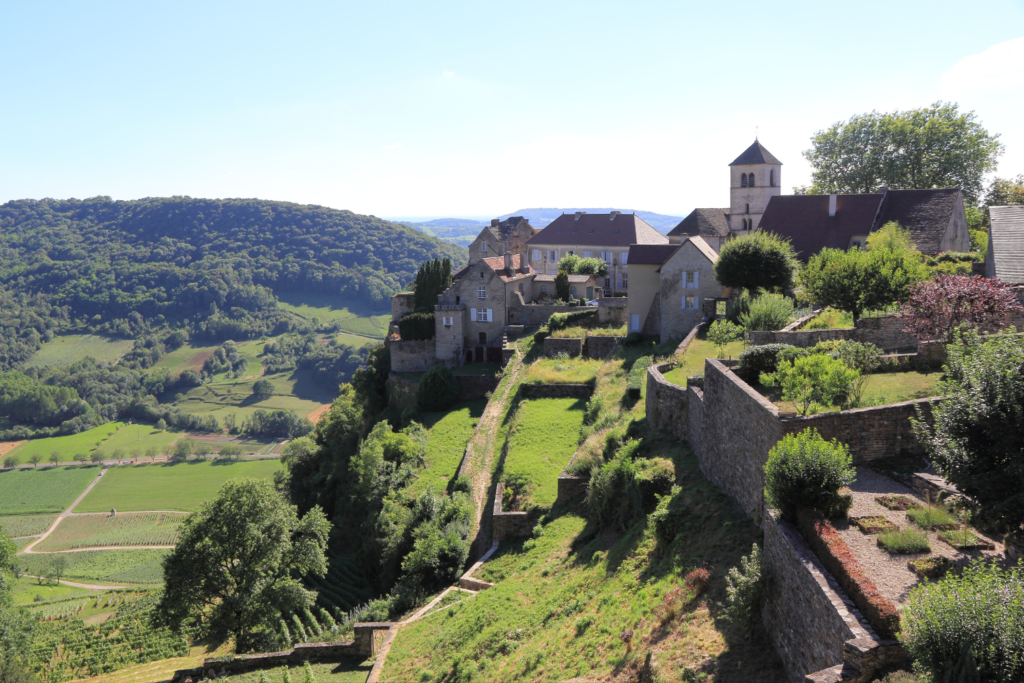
(412, 356)
(511, 524)
(572, 346)
(556, 390)
(600, 347)
(666, 402)
(886, 333)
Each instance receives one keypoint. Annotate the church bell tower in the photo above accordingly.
(754, 178)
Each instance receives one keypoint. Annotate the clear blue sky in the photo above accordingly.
(431, 109)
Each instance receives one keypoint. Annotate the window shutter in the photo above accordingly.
(472, 314)
(536, 255)
(586, 254)
(696, 280)
(682, 303)
(625, 257)
(489, 318)
(696, 302)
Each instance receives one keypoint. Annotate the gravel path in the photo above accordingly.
(890, 572)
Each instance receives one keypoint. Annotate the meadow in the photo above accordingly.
(348, 670)
(190, 357)
(26, 590)
(578, 332)
(223, 396)
(449, 434)
(563, 370)
(106, 566)
(544, 435)
(134, 440)
(879, 389)
(331, 309)
(123, 529)
(46, 489)
(65, 349)
(83, 443)
(169, 486)
(26, 525)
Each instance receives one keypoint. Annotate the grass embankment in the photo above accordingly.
(563, 370)
(691, 363)
(92, 531)
(141, 566)
(26, 525)
(65, 349)
(46, 489)
(331, 309)
(543, 436)
(578, 332)
(449, 434)
(879, 390)
(561, 602)
(174, 486)
(67, 447)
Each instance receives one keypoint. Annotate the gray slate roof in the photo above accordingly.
(598, 230)
(755, 154)
(925, 213)
(708, 222)
(1006, 243)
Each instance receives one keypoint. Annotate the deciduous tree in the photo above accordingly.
(857, 281)
(758, 261)
(937, 307)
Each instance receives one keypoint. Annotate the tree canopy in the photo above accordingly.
(757, 261)
(574, 264)
(433, 277)
(936, 146)
(857, 281)
(234, 569)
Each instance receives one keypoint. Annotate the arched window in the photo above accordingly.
(771, 177)
(750, 180)
(743, 180)
(748, 208)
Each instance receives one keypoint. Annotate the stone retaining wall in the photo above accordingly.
(600, 347)
(886, 333)
(666, 402)
(476, 386)
(612, 310)
(412, 356)
(572, 346)
(571, 489)
(537, 314)
(511, 524)
(556, 390)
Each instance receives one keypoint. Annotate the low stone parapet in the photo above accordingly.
(556, 390)
(572, 346)
(512, 524)
(600, 347)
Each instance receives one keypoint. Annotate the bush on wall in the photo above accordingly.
(759, 359)
(805, 470)
(438, 389)
(416, 327)
(560, 321)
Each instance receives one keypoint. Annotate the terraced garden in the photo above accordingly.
(543, 437)
(129, 529)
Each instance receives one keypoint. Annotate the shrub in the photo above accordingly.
(759, 260)
(562, 285)
(864, 358)
(633, 339)
(840, 561)
(813, 379)
(723, 332)
(638, 376)
(767, 312)
(743, 587)
(805, 470)
(979, 613)
(904, 541)
(624, 490)
(438, 389)
(756, 360)
(416, 327)
(937, 307)
(699, 581)
(560, 320)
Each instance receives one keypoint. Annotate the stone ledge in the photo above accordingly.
(471, 584)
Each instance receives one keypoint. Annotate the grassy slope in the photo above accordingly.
(563, 371)
(26, 525)
(26, 589)
(292, 391)
(156, 528)
(556, 612)
(138, 437)
(449, 434)
(67, 446)
(544, 436)
(108, 566)
(178, 486)
(47, 489)
(65, 349)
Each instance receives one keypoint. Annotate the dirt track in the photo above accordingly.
(315, 416)
(8, 446)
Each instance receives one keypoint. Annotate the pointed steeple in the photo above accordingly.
(755, 154)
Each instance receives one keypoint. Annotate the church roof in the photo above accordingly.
(1006, 243)
(598, 230)
(925, 213)
(710, 222)
(755, 154)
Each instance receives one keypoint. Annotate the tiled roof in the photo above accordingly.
(650, 254)
(1006, 242)
(711, 222)
(497, 264)
(805, 221)
(925, 213)
(598, 230)
(704, 247)
(755, 154)
(547, 277)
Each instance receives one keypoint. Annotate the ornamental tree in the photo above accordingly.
(977, 441)
(937, 307)
(812, 379)
(583, 265)
(758, 261)
(237, 566)
(857, 281)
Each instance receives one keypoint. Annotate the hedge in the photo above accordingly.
(559, 321)
(758, 359)
(840, 561)
(637, 376)
(416, 327)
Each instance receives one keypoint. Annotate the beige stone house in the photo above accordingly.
(670, 286)
(597, 235)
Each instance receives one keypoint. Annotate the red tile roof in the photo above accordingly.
(497, 264)
(598, 230)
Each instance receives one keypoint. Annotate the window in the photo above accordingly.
(743, 180)
(771, 178)
(481, 275)
(458, 300)
(625, 257)
(552, 255)
(572, 291)
(543, 289)
(484, 249)
(625, 281)
(480, 315)
(691, 279)
(607, 283)
(483, 338)
(750, 180)
(520, 286)
(618, 282)
(688, 303)
(586, 254)
(481, 292)
(536, 255)
(748, 208)
(634, 322)
(606, 256)
(447, 321)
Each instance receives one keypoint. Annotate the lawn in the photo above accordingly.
(46, 489)
(331, 309)
(449, 434)
(107, 566)
(26, 590)
(561, 601)
(92, 531)
(577, 332)
(692, 362)
(65, 349)
(26, 525)
(544, 435)
(176, 486)
(563, 370)
(83, 443)
(880, 389)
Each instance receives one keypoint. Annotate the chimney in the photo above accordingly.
(831, 205)
(580, 213)
(614, 214)
(524, 265)
(508, 262)
(494, 222)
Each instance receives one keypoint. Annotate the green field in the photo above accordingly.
(563, 371)
(107, 566)
(353, 341)
(92, 531)
(138, 437)
(449, 434)
(543, 438)
(69, 446)
(177, 486)
(192, 357)
(26, 589)
(26, 525)
(330, 309)
(47, 489)
(65, 349)
(292, 391)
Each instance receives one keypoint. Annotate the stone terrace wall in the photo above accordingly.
(872, 434)
(572, 346)
(666, 402)
(612, 310)
(556, 390)
(507, 525)
(412, 356)
(885, 332)
(738, 428)
(538, 314)
(600, 347)
(476, 386)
